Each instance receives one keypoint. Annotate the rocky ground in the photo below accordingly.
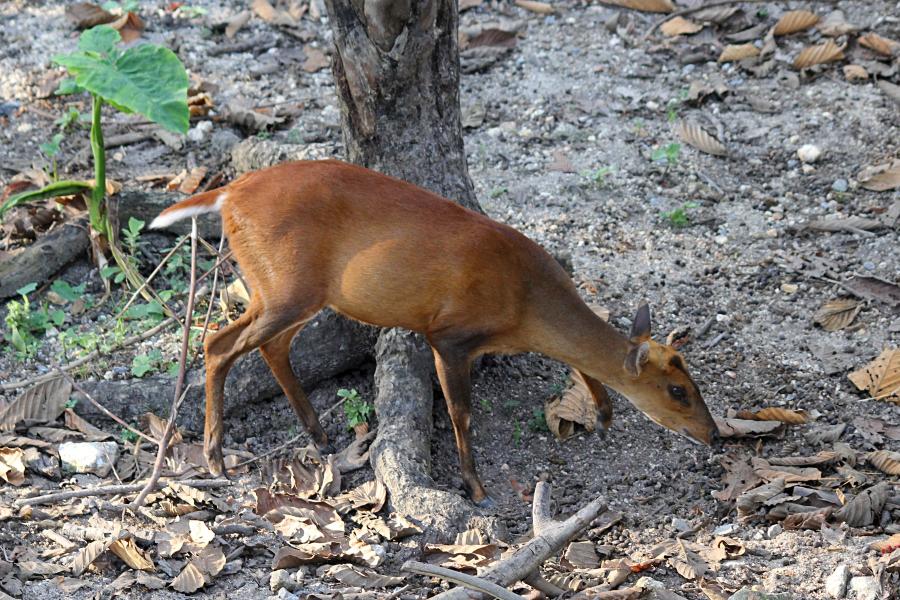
(566, 134)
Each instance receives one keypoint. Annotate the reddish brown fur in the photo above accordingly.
(325, 233)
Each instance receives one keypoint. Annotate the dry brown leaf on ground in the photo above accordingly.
(85, 15)
(873, 288)
(837, 314)
(582, 555)
(12, 465)
(574, 407)
(738, 478)
(852, 224)
(789, 474)
(716, 14)
(87, 555)
(687, 562)
(750, 500)
(395, 527)
(131, 555)
(886, 544)
(91, 433)
(881, 377)
(784, 415)
(129, 27)
(658, 6)
(680, 26)
(359, 577)
(724, 548)
(735, 52)
(865, 508)
(795, 20)
(461, 557)
(819, 54)
(811, 519)
(739, 428)
(602, 592)
(200, 104)
(885, 461)
(855, 73)
(237, 22)
(493, 37)
(316, 60)
(190, 183)
(41, 403)
(371, 495)
(881, 45)
(542, 8)
(561, 163)
(288, 557)
(834, 25)
(880, 178)
(189, 580)
(821, 458)
(199, 498)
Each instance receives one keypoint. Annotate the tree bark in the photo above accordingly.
(396, 69)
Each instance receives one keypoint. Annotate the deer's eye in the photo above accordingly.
(678, 393)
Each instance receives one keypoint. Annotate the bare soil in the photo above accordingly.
(743, 269)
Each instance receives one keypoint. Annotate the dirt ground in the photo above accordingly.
(560, 135)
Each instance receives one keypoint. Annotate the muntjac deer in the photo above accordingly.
(313, 234)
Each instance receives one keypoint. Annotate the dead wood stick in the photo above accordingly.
(179, 382)
(114, 490)
(549, 538)
(469, 581)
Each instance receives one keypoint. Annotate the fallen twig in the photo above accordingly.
(114, 490)
(179, 382)
(469, 581)
(549, 538)
(103, 409)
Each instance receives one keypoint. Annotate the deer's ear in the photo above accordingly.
(637, 357)
(640, 327)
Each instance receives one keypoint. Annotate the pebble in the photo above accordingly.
(751, 594)
(726, 529)
(773, 531)
(681, 524)
(869, 265)
(840, 185)
(836, 584)
(88, 457)
(809, 153)
(281, 579)
(223, 140)
(866, 588)
(200, 131)
(283, 594)
(789, 288)
(721, 239)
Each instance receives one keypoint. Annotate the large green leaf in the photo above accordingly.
(147, 79)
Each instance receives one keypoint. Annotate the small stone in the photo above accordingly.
(223, 140)
(721, 239)
(866, 588)
(88, 457)
(789, 288)
(283, 594)
(836, 584)
(200, 132)
(869, 265)
(281, 579)
(759, 535)
(655, 590)
(773, 531)
(681, 524)
(751, 594)
(726, 529)
(840, 185)
(809, 153)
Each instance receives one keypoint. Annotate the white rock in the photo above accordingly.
(773, 531)
(88, 457)
(200, 132)
(866, 588)
(283, 594)
(809, 153)
(727, 528)
(836, 584)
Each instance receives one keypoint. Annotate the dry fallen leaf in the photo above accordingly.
(881, 377)
(738, 428)
(852, 224)
(735, 52)
(371, 495)
(189, 580)
(131, 555)
(659, 6)
(885, 461)
(795, 20)
(837, 314)
(12, 465)
(85, 15)
(818, 55)
(582, 555)
(786, 416)
(237, 22)
(881, 45)
(493, 37)
(739, 477)
(561, 163)
(575, 407)
(680, 26)
(865, 508)
(359, 577)
(821, 458)
(190, 183)
(42, 403)
(880, 178)
(541, 8)
(835, 25)
(750, 500)
(129, 27)
(316, 60)
(886, 544)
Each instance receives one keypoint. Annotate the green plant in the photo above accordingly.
(132, 234)
(517, 433)
(69, 119)
(498, 191)
(486, 405)
(67, 291)
(127, 436)
(511, 404)
(146, 79)
(669, 152)
(538, 421)
(679, 217)
(71, 403)
(356, 409)
(674, 105)
(190, 12)
(142, 364)
(24, 325)
(598, 176)
(50, 150)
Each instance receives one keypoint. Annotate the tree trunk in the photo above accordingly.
(396, 68)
